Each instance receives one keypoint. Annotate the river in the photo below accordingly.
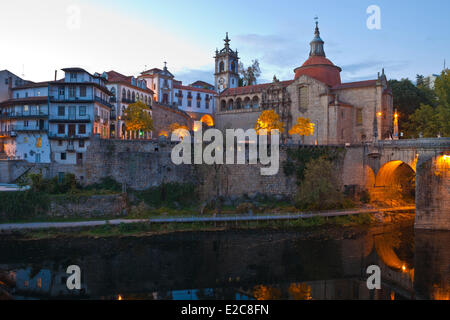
(235, 264)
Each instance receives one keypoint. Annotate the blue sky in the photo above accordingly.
(128, 36)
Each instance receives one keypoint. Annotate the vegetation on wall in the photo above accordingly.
(170, 195)
(22, 205)
(320, 187)
(298, 158)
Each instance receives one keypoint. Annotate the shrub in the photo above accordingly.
(22, 205)
(319, 189)
(170, 195)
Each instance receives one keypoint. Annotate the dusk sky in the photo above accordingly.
(129, 36)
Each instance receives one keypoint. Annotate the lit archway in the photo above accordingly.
(396, 180)
(208, 120)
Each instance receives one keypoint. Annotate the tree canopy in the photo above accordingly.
(303, 127)
(269, 120)
(137, 117)
(249, 75)
(433, 119)
(408, 98)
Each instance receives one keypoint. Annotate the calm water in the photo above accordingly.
(231, 265)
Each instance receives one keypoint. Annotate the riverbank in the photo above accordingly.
(322, 225)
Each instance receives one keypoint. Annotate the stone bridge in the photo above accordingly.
(425, 162)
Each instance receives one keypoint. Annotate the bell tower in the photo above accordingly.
(227, 67)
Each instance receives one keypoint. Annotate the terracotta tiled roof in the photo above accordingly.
(181, 87)
(252, 89)
(320, 68)
(116, 77)
(357, 84)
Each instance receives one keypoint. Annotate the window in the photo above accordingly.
(60, 143)
(38, 142)
(303, 99)
(17, 95)
(359, 117)
(61, 128)
(81, 143)
(61, 111)
(81, 128)
(71, 91)
(61, 91)
(189, 103)
(82, 111)
(25, 140)
(83, 91)
(63, 157)
(25, 123)
(180, 101)
(221, 66)
(73, 76)
(39, 282)
(6, 81)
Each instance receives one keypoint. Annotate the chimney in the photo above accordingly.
(10, 80)
(56, 72)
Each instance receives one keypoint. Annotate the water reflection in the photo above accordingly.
(230, 265)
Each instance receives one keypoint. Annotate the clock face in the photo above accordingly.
(221, 81)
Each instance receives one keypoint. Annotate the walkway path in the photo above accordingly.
(228, 218)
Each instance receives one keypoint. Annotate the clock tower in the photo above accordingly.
(227, 67)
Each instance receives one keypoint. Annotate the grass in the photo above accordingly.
(142, 229)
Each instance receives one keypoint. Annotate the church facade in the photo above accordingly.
(352, 112)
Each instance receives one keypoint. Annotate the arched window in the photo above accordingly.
(145, 99)
(233, 66)
(223, 105)
(113, 91)
(230, 104)
(133, 97)
(124, 93)
(238, 103)
(128, 95)
(221, 66)
(255, 102)
(142, 97)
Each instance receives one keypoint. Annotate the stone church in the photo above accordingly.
(351, 112)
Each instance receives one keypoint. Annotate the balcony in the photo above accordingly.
(63, 136)
(22, 128)
(125, 100)
(102, 101)
(23, 115)
(72, 118)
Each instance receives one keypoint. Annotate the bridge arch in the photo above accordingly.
(395, 180)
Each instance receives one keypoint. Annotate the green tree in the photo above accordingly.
(319, 189)
(408, 98)
(430, 120)
(138, 118)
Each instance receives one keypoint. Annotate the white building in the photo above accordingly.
(197, 99)
(79, 107)
(24, 123)
(126, 90)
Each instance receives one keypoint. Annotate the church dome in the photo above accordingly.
(318, 66)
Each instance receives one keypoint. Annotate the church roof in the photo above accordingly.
(318, 66)
(356, 84)
(257, 88)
